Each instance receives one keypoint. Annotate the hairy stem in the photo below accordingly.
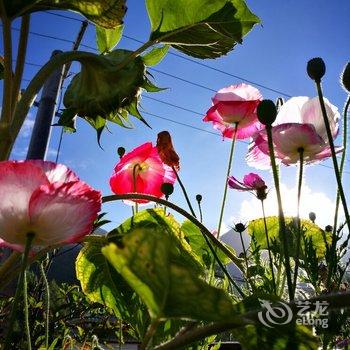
(300, 182)
(334, 156)
(26, 311)
(149, 334)
(268, 248)
(281, 220)
(19, 289)
(47, 309)
(227, 175)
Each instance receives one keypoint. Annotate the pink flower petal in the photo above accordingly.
(254, 181)
(239, 92)
(55, 172)
(63, 212)
(18, 180)
(236, 184)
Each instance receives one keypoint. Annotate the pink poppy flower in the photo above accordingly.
(299, 125)
(142, 171)
(46, 199)
(251, 182)
(235, 104)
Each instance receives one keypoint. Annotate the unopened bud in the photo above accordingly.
(267, 112)
(312, 216)
(328, 228)
(121, 151)
(345, 77)
(199, 198)
(167, 189)
(316, 69)
(240, 227)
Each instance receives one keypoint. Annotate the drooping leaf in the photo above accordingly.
(107, 39)
(104, 13)
(156, 262)
(311, 230)
(150, 87)
(100, 282)
(104, 90)
(153, 57)
(199, 28)
(67, 120)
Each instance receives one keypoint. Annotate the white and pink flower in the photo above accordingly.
(299, 126)
(235, 104)
(46, 199)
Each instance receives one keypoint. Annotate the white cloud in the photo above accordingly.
(27, 127)
(317, 202)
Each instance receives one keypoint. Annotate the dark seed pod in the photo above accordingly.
(267, 112)
(316, 69)
(345, 78)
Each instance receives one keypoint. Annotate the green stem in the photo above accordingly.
(227, 175)
(47, 311)
(334, 156)
(184, 192)
(268, 248)
(20, 284)
(244, 252)
(152, 328)
(281, 220)
(26, 311)
(8, 265)
(33, 88)
(184, 213)
(343, 157)
(335, 301)
(21, 55)
(300, 182)
(7, 38)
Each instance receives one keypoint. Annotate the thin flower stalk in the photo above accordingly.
(298, 243)
(268, 248)
(47, 306)
(282, 223)
(226, 177)
(334, 157)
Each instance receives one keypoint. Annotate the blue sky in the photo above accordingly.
(273, 54)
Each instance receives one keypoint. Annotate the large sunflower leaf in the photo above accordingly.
(105, 13)
(156, 262)
(200, 28)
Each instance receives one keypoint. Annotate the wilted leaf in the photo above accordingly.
(154, 56)
(67, 120)
(203, 29)
(157, 263)
(107, 39)
(105, 13)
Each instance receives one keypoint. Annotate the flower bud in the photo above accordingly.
(345, 77)
(328, 228)
(199, 198)
(312, 216)
(267, 112)
(121, 151)
(240, 227)
(167, 189)
(316, 69)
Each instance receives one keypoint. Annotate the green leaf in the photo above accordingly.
(153, 57)
(104, 13)
(150, 87)
(199, 245)
(312, 231)
(100, 282)
(107, 39)
(67, 120)
(156, 261)
(105, 91)
(200, 28)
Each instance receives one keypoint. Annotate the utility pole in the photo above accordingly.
(47, 105)
(45, 114)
